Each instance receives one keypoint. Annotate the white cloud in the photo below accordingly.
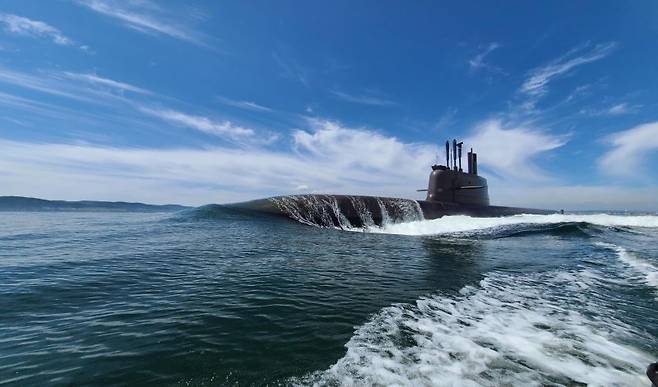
(579, 92)
(145, 16)
(362, 149)
(27, 27)
(614, 110)
(36, 108)
(200, 123)
(538, 79)
(511, 152)
(42, 83)
(618, 109)
(631, 148)
(111, 108)
(328, 158)
(109, 94)
(87, 88)
(100, 81)
(478, 61)
(246, 105)
(363, 99)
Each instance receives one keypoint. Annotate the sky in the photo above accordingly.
(197, 102)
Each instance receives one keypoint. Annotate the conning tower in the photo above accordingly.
(449, 183)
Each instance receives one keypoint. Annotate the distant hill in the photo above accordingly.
(20, 203)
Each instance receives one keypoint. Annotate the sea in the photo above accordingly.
(215, 296)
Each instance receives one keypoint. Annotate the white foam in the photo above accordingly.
(644, 268)
(512, 330)
(462, 223)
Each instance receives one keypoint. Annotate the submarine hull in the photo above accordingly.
(349, 211)
(450, 191)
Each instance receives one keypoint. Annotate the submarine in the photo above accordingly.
(450, 191)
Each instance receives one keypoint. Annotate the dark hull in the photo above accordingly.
(433, 210)
(360, 211)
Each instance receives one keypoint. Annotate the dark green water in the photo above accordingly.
(214, 298)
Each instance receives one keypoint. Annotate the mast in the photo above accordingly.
(454, 154)
(459, 149)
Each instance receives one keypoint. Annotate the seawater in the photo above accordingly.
(215, 296)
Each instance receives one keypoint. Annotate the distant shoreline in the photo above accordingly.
(28, 204)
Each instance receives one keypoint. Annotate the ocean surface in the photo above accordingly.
(214, 296)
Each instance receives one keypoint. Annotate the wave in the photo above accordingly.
(324, 211)
(404, 217)
(580, 229)
(219, 211)
(645, 269)
(463, 224)
(347, 212)
(530, 330)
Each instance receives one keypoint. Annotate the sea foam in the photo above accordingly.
(529, 330)
(462, 223)
(643, 268)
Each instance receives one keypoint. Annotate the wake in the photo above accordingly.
(647, 271)
(530, 330)
(462, 223)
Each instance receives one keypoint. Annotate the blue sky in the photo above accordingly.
(202, 102)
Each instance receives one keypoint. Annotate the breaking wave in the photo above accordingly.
(219, 211)
(364, 211)
(325, 211)
(405, 217)
(647, 271)
(464, 224)
(530, 330)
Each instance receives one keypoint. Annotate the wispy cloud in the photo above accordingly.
(477, 62)
(291, 69)
(246, 105)
(207, 125)
(34, 28)
(536, 84)
(135, 104)
(82, 87)
(447, 119)
(15, 121)
(147, 17)
(613, 110)
(363, 99)
(510, 152)
(42, 83)
(35, 108)
(630, 148)
(621, 108)
(106, 82)
(578, 92)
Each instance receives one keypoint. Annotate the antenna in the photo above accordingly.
(448, 154)
(469, 159)
(454, 154)
(459, 149)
